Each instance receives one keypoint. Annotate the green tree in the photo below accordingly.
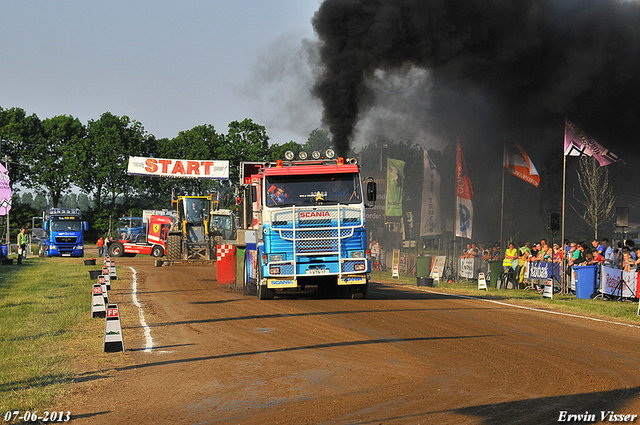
(198, 143)
(245, 141)
(318, 140)
(109, 143)
(277, 152)
(55, 156)
(40, 203)
(18, 133)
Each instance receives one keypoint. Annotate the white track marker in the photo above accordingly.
(147, 330)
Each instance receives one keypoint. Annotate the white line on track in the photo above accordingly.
(143, 323)
(525, 308)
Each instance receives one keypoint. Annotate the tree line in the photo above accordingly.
(53, 156)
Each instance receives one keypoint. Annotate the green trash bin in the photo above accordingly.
(423, 266)
(496, 271)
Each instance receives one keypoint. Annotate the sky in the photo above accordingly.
(169, 65)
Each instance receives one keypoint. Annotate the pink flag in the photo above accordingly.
(578, 143)
(5, 191)
(519, 164)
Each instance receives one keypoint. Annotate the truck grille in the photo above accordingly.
(66, 239)
(317, 230)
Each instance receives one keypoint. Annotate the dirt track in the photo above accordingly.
(399, 356)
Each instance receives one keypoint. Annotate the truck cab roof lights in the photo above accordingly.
(329, 153)
(340, 160)
(279, 163)
(315, 155)
(352, 161)
(289, 155)
(302, 155)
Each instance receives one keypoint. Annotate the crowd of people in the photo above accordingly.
(625, 256)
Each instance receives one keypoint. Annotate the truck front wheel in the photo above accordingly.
(116, 249)
(265, 293)
(157, 251)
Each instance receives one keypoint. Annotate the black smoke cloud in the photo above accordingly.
(502, 66)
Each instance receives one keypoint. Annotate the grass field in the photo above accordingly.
(45, 328)
(47, 334)
(625, 311)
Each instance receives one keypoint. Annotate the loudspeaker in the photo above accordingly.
(622, 217)
(554, 221)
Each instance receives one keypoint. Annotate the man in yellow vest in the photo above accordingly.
(510, 254)
(22, 245)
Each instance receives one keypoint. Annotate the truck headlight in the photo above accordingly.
(275, 257)
(357, 254)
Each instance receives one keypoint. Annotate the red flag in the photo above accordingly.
(464, 192)
(519, 164)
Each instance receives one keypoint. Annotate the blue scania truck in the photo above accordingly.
(63, 229)
(305, 225)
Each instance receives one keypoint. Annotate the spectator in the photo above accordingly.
(609, 257)
(100, 245)
(510, 254)
(486, 253)
(497, 252)
(577, 256)
(22, 245)
(557, 253)
(524, 252)
(546, 253)
(630, 244)
(627, 261)
(597, 258)
(375, 250)
(597, 246)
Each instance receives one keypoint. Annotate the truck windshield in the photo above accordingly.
(129, 223)
(195, 210)
(66, 225)
(313, 190)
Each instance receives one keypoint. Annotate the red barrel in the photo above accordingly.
(226, 264)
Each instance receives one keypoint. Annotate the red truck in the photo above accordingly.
(155, 242)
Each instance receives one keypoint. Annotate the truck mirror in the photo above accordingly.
(85, 226)
(44, 226)
(254, 194)
(371, 191)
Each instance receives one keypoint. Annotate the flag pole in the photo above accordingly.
(502, 203)
(564, 177)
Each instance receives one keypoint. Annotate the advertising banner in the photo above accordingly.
(469, 268)
(395, 177)
(431, 223)
(178, 168)
(541, 270)
(614, 281)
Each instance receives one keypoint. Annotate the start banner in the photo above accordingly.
(179, 168)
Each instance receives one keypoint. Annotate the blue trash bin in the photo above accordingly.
(585, 281)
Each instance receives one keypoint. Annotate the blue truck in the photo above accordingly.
(63, 229)
(305, 225)
(130, 229)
